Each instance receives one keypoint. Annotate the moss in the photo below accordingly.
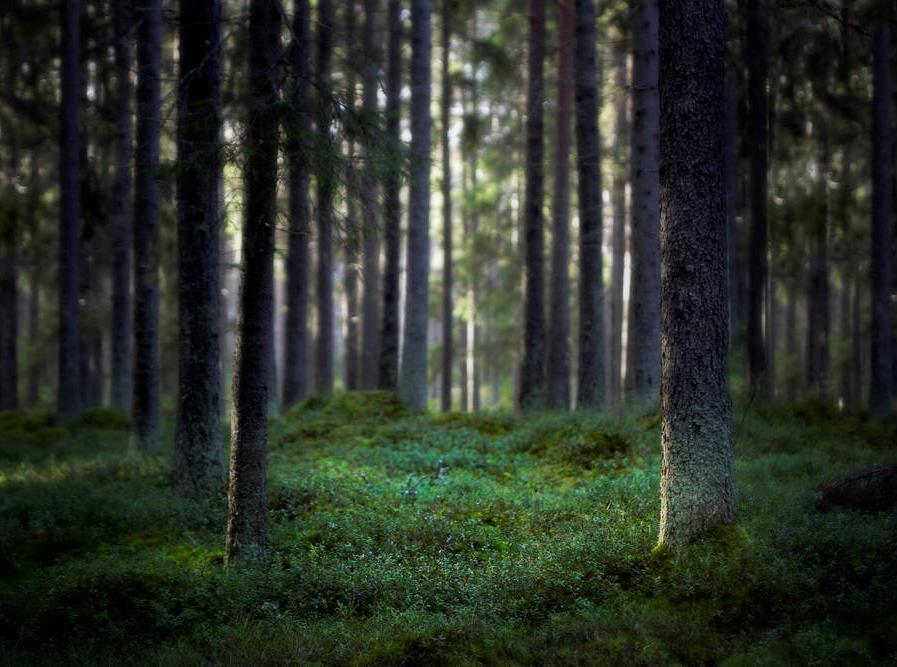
(485, 423)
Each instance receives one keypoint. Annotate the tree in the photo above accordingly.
(9, 251)
(389, 328)
(68, 393)
(730, 148)
(447, 285)
(588, 142)
(643, 337)
(697, 487)
(558, 370)
(198, 465)
(298, 129)
(145, 408)
(413, 379)
(881, 385)
(247, 532)
(532, 372)
(352, 231)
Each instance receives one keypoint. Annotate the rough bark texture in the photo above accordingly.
(145, 406)
(643, 336)
(198, 465)
(298, 124)
(558, 370)
(413, 380)
(68, 392)
(326, 184)
(370, 228)
(532, 371)
(872, 489)
(389, 328)
(758, 69)
(247, 531)
(618, 238)
(447, 281)
(120, 329)
(697, 483)
(881, 385)
(591, 385)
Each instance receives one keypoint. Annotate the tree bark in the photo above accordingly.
(247, 531)
(818, 329)
(198, 465)
(295, 354)
(447, 283)
(697, 487)
(352, 231)
(532, 372)
(730, 147)
(413, 380)
(618, 240)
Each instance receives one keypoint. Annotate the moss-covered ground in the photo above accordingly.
(400, 539)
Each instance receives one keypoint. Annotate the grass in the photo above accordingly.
(457, 539)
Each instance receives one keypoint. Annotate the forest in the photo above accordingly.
(448, 332)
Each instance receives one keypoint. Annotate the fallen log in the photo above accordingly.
(871, 489)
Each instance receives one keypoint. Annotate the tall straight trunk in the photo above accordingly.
(558, 369)
(413, 379)
(392, 214)
(9, 333)
(532, 372)
(697, 484)
(818, 288)
(120, 329)
(880, 382)
(370, 304)
(730, 152)
(145, 407)
(792, 353)
(298, 126)
(198, 465)
(758, 70)
(247, 530)
(618, 239)
(447, 283)
(351, 232)
(643, 336)
(326, 184)
(68, 393)
(856, 340)
(588, 159)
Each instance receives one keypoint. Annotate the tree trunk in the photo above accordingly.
(618, 241)
(352, 231)
(389, 329)
(198, 465)
(818, 287)
(326, 184)
(447, 284)
(295, 353)
(792, 353)
(730, 147)
(881, 385)
(532, 372)
(558, 370)
(247, 532)
(697, 486)
(643, 339)
(413, 380)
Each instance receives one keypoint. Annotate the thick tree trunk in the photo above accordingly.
(643, 339)
(326, 184)
(247, 531)
(881, 385)
(591, 383)
(697, 486)
(370, 305)
(413, 380)
(532, 372)
(618, 239)
(558, 370)
(198, 465)
(447, 282)
(298, 124)
(389, 329)
(352, 230)
(758, 67)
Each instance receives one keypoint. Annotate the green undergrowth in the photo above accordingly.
(399, 538)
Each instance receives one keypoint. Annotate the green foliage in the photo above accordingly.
(454, 539)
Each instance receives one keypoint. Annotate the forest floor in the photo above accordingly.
(458, 539)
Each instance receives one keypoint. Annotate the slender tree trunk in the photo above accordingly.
(818, 293)
(326, 184)
(9, 332)
(697, 485)
(856, 340)
(558, 370)
(413, 380)
(295, 354)
(730, 148)
(352, 231)
(198, 465)
(591, 383)
(643, 338)
(532, 372)
(618, 241)
(247, 531)
(881, 385)
(370, 305)
(792, 353)
(447, 284)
